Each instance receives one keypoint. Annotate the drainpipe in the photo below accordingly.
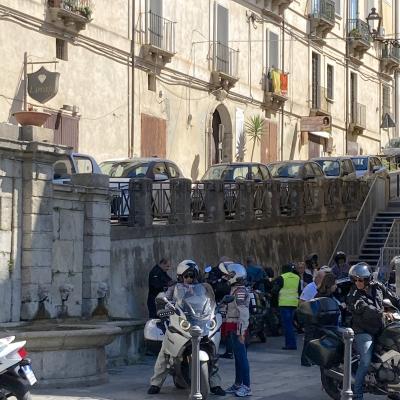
(283, 70)
(397, 73)
(346, 117)
(132, 136)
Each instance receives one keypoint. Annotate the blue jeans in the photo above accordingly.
(365, 346)
(242, 369)
(287, 314)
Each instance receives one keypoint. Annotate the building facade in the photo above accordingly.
(182, 80)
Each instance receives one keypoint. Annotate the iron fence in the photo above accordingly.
(198, 204)
(324, 9)
(160, 32)
(359, 30)
(231, 191)
(225, 59)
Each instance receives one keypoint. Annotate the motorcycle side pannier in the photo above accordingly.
(390, 337)
(325, 352)
(322, 312)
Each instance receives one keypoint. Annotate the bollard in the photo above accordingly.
(195, 393)
(398, 185)
(348, 336)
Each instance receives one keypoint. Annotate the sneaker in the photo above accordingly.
(153, 390)
(243, 391)
(218, 391)
(233, 388)
(226, 355)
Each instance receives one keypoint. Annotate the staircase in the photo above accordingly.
(378, 233)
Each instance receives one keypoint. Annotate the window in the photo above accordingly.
(385, 99)
(63, 169)
(308, 171)
(353, 96)
(256, 173)
(61, 49)
(329, 81)
(369, 4)
(315, 71)
(265, 172)
(151, 82)
(272, 50)
(337, 6)
(84, 165)
(160, 172)
(173, 172)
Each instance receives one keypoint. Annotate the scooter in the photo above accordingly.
(16, 375)
(192, 336)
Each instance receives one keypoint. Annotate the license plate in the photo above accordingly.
(29, 375)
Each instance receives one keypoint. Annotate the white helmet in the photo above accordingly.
(187, 265)
(236, 272)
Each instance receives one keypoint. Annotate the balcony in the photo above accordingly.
(70, 14)
(320, 103)
(275, 8)
(159, 41)
(322, 18)
(358, 118)
(276, 87)
(358, 36)
(390, 57)
(224, 66)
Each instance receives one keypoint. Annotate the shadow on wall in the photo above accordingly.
(18, 99)
(293, 147)
(194, 172)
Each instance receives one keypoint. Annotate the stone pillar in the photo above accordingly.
(214, 201)
(180, 198)
(245, 201)
(37, 209)
(96, 239)
(275, 198)
(140, 195)
(296, 198)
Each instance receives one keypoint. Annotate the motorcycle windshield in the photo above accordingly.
(196, 301)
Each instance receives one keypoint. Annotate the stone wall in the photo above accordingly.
(134, 251)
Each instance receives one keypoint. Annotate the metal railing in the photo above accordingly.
(319, 99)
(355, 230)
(391, 50)
(359, 115)
(390, 249)
(160, 32)
(324, 9)
(198, 204)
(81, 7)
(225, 59)
(358, 30)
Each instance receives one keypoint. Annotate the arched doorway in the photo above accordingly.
(220, 139)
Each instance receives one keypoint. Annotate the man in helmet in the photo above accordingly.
(365, 302)
(340, 267)
(187, 273)
(312, 263)
(237, 322)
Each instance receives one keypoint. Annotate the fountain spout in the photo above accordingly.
(65, 291)
(101, 309)
(43, 294)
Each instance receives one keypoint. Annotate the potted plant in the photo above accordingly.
(86, 11)
(355, 33)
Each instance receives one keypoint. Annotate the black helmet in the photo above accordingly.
(361, 270)
(340, 255)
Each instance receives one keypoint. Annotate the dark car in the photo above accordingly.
(303, 170)
(337, 167)
(232, 172)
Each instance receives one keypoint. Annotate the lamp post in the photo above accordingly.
(374, 24)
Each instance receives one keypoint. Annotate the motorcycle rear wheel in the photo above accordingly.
(332, 387)
(14, 387)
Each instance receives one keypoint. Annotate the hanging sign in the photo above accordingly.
(43, 84)
(315, 124)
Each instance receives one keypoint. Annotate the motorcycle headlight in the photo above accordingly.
(211, 324)
(184, 324)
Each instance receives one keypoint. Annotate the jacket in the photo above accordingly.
(159, 280)
(366, 307)
(238, 311)
(288, 285)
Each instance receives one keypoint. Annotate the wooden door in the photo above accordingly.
(269, 142)
(66, 129)
(153, 136)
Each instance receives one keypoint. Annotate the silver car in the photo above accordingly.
(337, 167)
(368, 166)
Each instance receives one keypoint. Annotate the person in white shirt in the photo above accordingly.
(311, 289)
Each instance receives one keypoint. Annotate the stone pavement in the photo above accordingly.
(276, 375)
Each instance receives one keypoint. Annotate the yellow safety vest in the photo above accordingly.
(289, 294)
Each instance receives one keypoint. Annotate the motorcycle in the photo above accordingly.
(192, 335)
(327, 350)
(16, 375)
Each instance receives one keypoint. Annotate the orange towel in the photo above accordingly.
(284, 84)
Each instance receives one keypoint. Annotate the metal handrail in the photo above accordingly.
(392, 242)
(354, 231)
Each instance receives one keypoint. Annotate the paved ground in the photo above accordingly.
(276, 375)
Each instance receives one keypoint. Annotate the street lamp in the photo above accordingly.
(374, 24)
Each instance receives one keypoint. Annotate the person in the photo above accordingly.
(305, 277)
(255, 274)
(288, 288)
(188, 274)
(340, 266)
(365, 303)
(159, 280)
(311, 289)
(237, 322)
(328, 286)
(312, 263)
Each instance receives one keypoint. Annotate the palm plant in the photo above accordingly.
(255, 129)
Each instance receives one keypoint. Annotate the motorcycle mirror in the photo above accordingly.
(207, 269)
(228, 299)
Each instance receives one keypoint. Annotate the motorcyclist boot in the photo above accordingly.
(226, 355)
(153, 390)
(218, 391)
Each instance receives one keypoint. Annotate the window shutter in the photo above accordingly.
(337, 7)
(222, 25)
(386, 99)
(330, 81)
(273, 60)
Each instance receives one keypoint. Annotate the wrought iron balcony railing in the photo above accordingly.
(225, 60)
(160, 32)
(358, 30)
(324, 10)
(391, 50)
(83, 8)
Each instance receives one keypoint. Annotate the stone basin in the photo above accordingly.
(65, 354)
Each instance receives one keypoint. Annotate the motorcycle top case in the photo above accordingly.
(322, 311)
(325, 352)
(390, 336)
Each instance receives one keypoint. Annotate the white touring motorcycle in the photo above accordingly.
(192, 335)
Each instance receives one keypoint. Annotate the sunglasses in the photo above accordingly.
(358, 280)
(187, 276)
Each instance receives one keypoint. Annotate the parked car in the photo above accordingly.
(74, 163)
(368, 166)
(304, 170)
(232, 172)
(337, 167)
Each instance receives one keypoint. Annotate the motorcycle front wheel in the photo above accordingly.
(332, 387)
(12, 387)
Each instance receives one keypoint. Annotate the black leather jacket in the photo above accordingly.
(366, 307)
